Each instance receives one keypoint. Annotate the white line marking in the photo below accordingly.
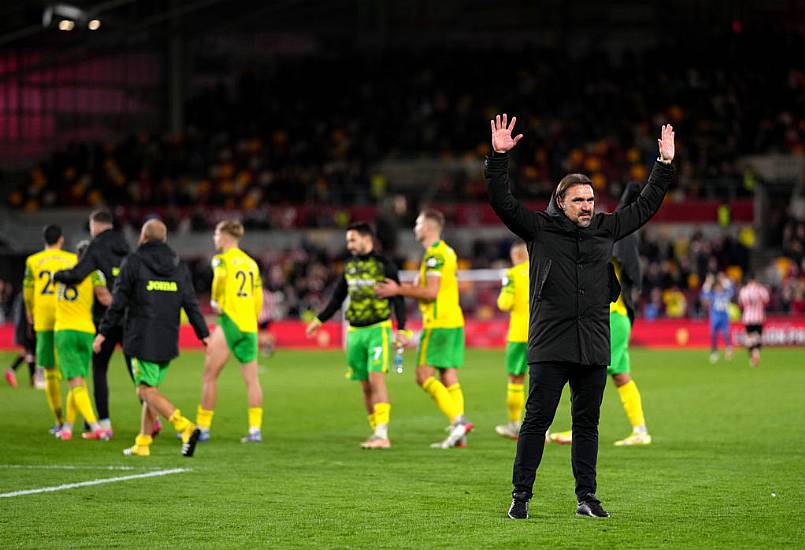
(93, 482)
(69, 467)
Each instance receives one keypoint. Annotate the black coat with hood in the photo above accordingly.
(572, 280)
(151, 290)
(105, 253)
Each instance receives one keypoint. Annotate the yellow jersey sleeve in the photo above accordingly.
(618, 306)
(519, 320)
(258, 295)
(218, 280)
(506, 296)
(98, 278)
(28, 287)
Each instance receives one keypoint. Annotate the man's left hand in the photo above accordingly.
(666, 143)
(98, 342)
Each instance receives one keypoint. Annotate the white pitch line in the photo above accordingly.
(93, 482)
(68, 467)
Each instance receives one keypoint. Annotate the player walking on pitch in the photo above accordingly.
(237, 297)
(717, 291)
(39, 294)
(753, 298)
(369, 337)
(73, 335)
(105, 254)
(152, 289)
(441, 346)
(513, 298)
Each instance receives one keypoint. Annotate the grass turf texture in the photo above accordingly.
(725, 438)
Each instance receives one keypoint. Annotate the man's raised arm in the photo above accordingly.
(629, 219)
(521, 221)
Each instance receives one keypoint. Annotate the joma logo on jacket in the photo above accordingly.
(163, 286)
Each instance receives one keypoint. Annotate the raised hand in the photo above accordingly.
(666, 142)
(502, 140)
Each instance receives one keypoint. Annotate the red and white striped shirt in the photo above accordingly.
(753, 299)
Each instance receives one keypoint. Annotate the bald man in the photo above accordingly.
(154, 286)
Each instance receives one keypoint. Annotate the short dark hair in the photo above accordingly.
(363, 228)
(433, 214)
(101, 216)
(51, 234)
(571, 180)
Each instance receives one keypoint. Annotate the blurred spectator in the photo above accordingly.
(280, 135)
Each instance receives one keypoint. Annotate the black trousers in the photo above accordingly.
(547, 379)
(100, 367)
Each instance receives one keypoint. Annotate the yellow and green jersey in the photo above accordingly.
(39, 288)
(514, 299)
(444, 312)
(619, 306)
(74, 304)
(237, 288)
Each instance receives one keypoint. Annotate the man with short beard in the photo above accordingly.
(572, 284)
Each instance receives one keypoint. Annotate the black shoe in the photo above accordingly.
(190, 447)
(519, 507)
(591, 507)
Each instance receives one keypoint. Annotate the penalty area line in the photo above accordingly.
(94, 482)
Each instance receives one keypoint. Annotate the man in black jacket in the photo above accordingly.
(626, 260)
(151, 290)
(105, 253)
(572, 283)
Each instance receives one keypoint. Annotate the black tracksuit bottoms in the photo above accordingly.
(546, 381)
(100, 367)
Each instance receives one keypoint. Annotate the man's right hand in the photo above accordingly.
(312, 327)
(502, 140)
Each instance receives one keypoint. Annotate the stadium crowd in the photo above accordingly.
(252, 144)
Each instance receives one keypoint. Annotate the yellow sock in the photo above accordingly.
(70, 411)
(458, 397)
(443, 399)
(179, 422)
(53, 393)
(632, 404)
(143, 440)
(204, 418)
(83, 404)
(382, 414)
(515, 401)
(372, 423)
(255, 418)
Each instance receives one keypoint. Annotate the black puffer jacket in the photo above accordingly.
(151, 290)
(571, 278)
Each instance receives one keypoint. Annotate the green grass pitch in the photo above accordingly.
(727, 467)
